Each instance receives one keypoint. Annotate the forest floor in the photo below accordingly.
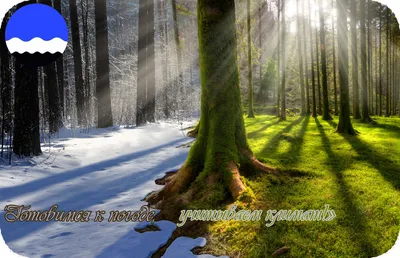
(115, 168)
(359, 177)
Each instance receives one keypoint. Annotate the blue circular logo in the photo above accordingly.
(37, 34)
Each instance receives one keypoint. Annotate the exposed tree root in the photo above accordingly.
(194, 132)
(236, 186)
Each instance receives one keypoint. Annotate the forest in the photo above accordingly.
(262, 104)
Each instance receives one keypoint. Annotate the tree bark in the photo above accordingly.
(283, 44)
(307, 82)
(103, 91)
(364, 76)
(151, 66)
(317, 46)
(334, 65)
(301, 68)
(387, 63)
(60, 67)
(76, 45)
(219, 154)
(344, 125)
(278, 49)
(353, 23)
(6, 85)
(314, 101)
(250, 63)
(326, 115)
(380, 59)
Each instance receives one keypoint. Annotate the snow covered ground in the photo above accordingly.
(108, 169)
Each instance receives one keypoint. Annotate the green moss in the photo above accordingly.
(359, 177)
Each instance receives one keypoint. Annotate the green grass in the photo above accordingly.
(358, 176)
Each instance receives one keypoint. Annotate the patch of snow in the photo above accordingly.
(108, 169)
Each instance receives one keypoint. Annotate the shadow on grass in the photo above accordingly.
(354, 220)
(292, 156)
(273, 143)
(388, 168)
(257, 133)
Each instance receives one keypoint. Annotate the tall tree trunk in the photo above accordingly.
(218, 155)
(364, 75)
(86, 81)
(344, 125)
(164, 63)
(76, 45)
(326, 115)
(177, 44)
(142, 65)
(369, 51)
(250, 62)
(260, 40)
(60, 67)
(103, 91)
(307, 82)
(26, 131)
(334, 64)
(26, 140)
(377, 75)
(278, 49)
(6, 85)
(354, 63)
(151, 66)
(317, 46)
(314, 100)
(283, 44)
(387, 62)
(380, 59)
(301, 68)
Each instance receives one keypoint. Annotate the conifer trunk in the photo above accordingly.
(326, 115)
(301, 68)
(314, 101)
(354, 63)
(334, 65)
(364, 75)
(344, 125)
(250, 62)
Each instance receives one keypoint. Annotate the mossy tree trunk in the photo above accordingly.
(344, 125)
(250, 61)
(221, 149)
(326, 115)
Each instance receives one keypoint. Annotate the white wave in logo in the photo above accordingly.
(36, 45)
